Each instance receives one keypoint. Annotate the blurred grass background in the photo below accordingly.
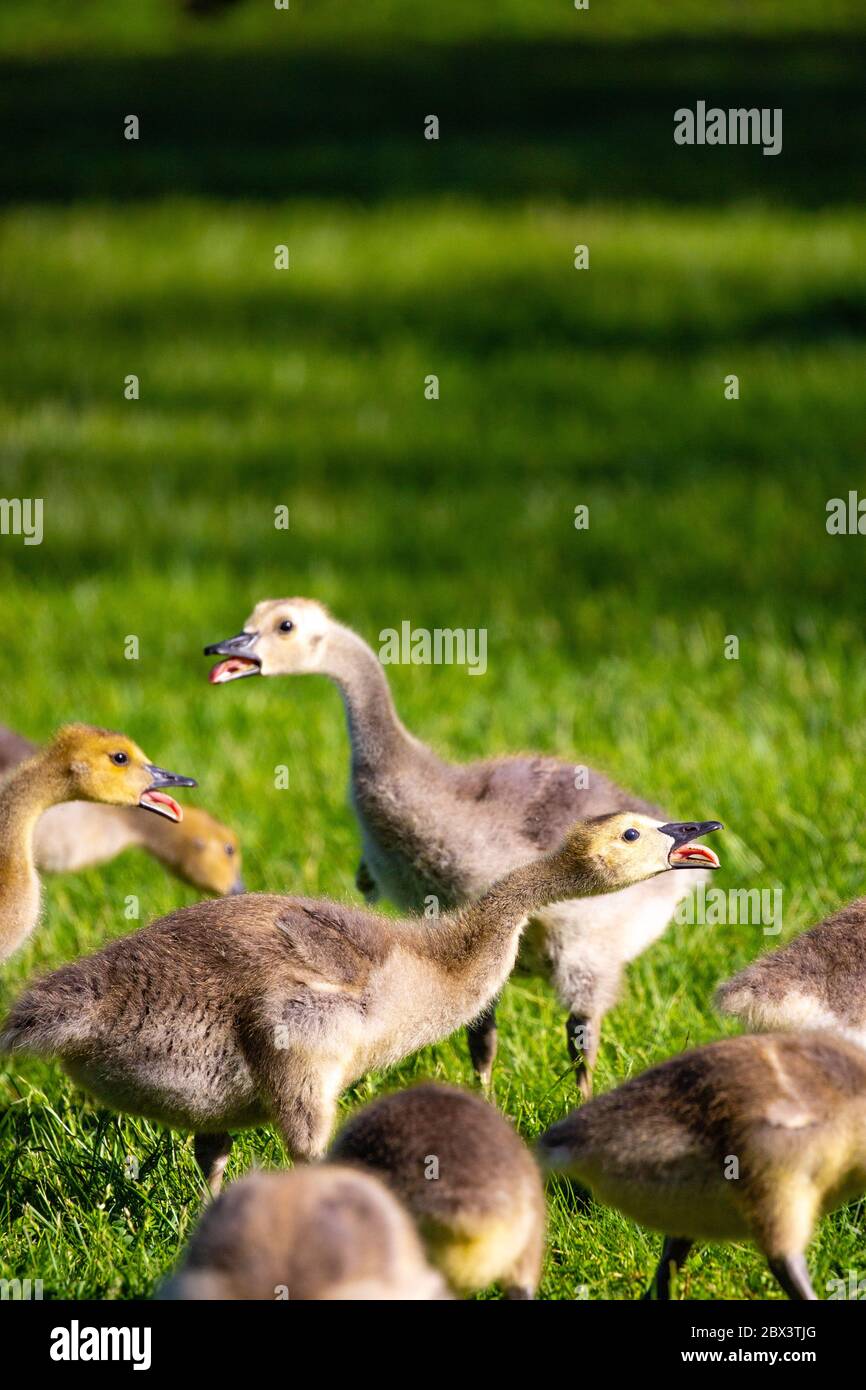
(161, 26)
(558, 387)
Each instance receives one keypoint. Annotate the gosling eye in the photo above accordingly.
(631, 834)
(230, 849)
(286, 625)
(119, 759)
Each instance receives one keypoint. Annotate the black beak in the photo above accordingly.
(237, 887)
(682, 833)
(232, 646)
(161, 778)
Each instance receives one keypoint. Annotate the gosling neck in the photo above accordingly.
(376, 734)
(25, 793)
(480, 940)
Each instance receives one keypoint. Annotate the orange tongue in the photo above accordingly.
(687, 852)
(226, 670)
(163, 799)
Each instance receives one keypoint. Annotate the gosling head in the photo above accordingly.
(101, 766)
(202, 851)
(625, 847)
(281, 637)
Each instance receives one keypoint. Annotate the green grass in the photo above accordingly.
(707, 517)
(306, 389)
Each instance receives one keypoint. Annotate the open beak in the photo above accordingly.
(241, 661)
(683, 854)
(154, 799)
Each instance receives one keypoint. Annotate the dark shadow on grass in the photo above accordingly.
(504, 314)
(518, 120)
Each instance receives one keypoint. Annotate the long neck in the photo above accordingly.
(376, 733)
(479, 942)
(25, 793)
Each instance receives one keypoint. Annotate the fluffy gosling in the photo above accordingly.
(747, 1138)
(238, 1010)
(79, 834)
(817, 981)
(432, 828)
(312, 1234)
(80, 763)
(468, 1179)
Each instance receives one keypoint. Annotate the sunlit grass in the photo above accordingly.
(557, 388)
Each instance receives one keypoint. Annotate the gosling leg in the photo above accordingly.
(582, 1036)
(782, 1222)
(305, 1103)
(674, 1254)
(366, 884)
(212, 1154)
(482, 1037)
(298, 1086)
(792, 1273)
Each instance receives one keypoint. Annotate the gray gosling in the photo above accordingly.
(436, 830)
(465, 1175)
(750, 1137)
(817, 981)
(80, 763)
(79, 834)
(238, 1010)
(316, 1233)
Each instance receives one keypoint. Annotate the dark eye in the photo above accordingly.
(119, 758)
(286, 625)
(631, 834)
(230, 849)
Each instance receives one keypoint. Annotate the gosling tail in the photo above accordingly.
(52, 1016)
(737, 998)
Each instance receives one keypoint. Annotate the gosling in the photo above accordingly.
(79, 834)
(469, 1181)
(817, 981)
(750, 1137)
(313, 1234)
(433, 831)
(80, 763)
(238, 1010)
